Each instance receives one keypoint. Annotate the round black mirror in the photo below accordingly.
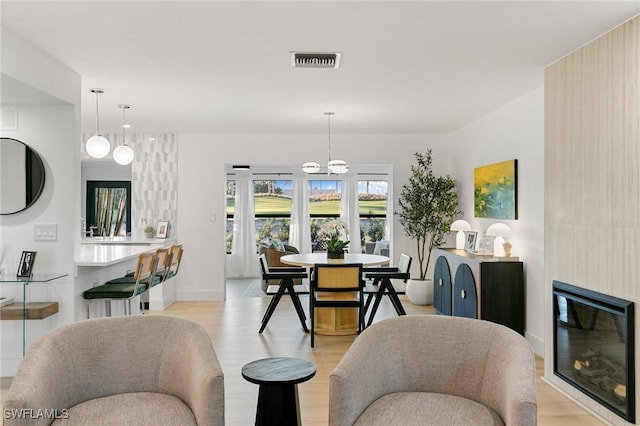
(22, 176)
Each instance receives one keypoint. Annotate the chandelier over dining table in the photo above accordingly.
(337, 167)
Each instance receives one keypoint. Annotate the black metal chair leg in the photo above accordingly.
(271, 308)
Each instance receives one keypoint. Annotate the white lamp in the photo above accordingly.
(311, 167)
(460, 226)
(123, 154)
(498, 230)
(97, 145)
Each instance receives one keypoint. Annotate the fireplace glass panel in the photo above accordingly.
(593, 348)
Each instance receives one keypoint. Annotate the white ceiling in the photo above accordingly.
(218, 67)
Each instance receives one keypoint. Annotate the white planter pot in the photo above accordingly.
(420, 292)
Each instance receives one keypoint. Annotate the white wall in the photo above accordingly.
(201, 187)
(53, 131)
(515, 131)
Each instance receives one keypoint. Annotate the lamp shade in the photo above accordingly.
(460, 225)
(311, 167)
(499, 230)
(123, 155)
(338, 167)
(97, 146)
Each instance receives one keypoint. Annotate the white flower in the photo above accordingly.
(335, 228)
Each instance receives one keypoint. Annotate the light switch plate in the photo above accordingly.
(45, 232)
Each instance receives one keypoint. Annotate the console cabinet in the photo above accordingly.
(481, 288)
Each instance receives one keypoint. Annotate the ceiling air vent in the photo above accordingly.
(315, 60)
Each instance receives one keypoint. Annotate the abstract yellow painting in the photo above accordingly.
(495, 190)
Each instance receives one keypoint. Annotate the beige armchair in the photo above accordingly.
(428, 369)
(142, 370)
(273, 256)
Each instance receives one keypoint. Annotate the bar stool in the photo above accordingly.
(127, 287)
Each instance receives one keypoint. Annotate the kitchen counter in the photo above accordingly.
(127, 241)
(108, 251)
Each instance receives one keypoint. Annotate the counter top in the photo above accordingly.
(127, 241)
(108, 254)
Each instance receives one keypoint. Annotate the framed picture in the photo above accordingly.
(25, 269)
(495, 190)
(470, 244)
(162, 229)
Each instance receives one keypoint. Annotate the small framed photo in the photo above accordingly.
(162, 229)
(25, 269)
(470, 244)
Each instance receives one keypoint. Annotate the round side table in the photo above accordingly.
(278, 394)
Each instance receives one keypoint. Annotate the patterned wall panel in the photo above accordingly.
(154, 179)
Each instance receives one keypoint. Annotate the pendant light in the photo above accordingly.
(97, 145)
(123, 154)
(336, 167)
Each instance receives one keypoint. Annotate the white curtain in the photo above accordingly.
(300, 229)
(349, 211)
(243, 261)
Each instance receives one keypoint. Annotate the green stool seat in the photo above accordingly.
(113, 290)
(157, 279)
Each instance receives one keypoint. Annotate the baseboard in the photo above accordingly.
(536, 343)
(199, 296)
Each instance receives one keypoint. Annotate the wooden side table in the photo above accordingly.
(278, 394)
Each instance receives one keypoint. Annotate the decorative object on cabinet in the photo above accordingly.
(495, 189)
(470, 244)
(460, 226)
(499, 231)
(97, 145)
(25, 268)
(483, 288)
(162, 229)
(427, 206)
(22, 176)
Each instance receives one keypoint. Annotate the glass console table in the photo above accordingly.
(46, 307)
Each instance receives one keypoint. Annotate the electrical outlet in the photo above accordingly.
(45, 232)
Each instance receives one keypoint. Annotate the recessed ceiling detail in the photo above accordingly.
(315, 60)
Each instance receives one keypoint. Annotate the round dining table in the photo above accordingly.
(334, 321)
(310, 259)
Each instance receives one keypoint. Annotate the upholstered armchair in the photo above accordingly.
(142, 370)
(273, 255)
(429, 369)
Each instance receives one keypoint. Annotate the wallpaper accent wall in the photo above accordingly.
(154, 174)
(154, 179)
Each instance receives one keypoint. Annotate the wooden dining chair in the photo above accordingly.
(384, 286)
(285, 277)
(336, 286)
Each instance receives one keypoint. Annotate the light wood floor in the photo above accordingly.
(233, 327)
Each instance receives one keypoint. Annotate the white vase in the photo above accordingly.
(420, 292)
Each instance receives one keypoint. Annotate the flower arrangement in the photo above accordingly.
(334, 233)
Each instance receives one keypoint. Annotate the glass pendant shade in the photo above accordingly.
(123, 155)
(338, 167)
(97, 146)
(311, 167)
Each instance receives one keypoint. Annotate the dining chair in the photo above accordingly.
(285, 276)
(127, 287)
(336, 285)
(383, 285)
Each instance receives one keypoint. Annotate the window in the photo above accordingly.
(272, 207)
(324, 205)
(373, 208)
(272, 204)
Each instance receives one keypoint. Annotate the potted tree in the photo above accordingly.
(427, 207)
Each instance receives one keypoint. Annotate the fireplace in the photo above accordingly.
(594, 346)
